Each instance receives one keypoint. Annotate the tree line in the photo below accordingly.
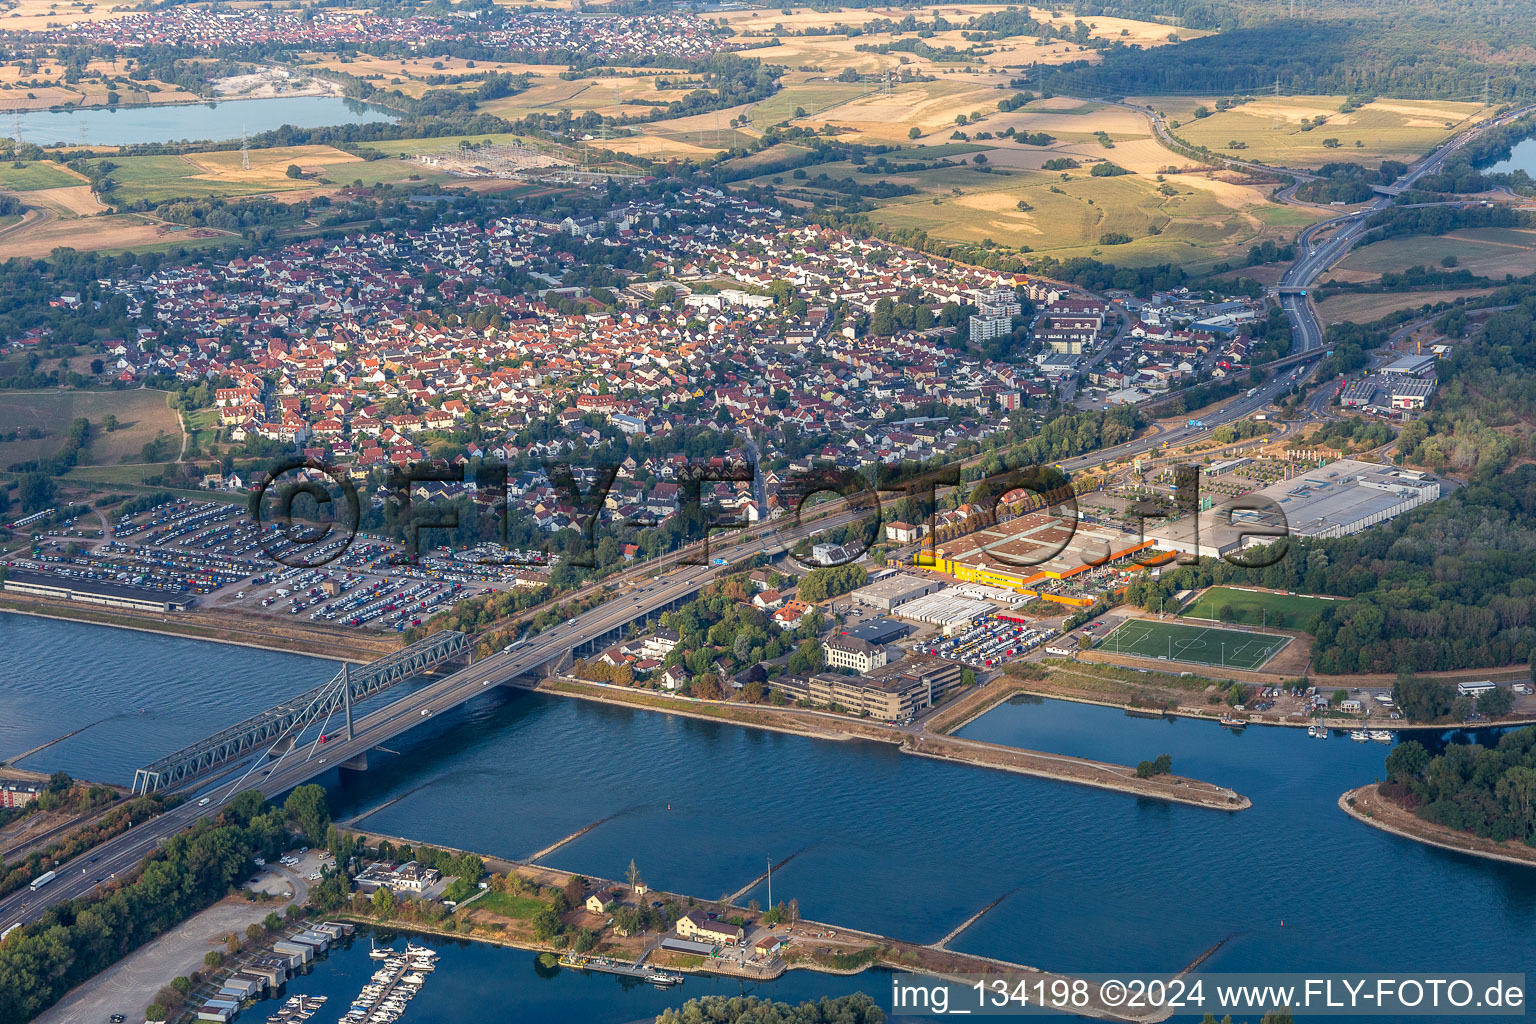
(78, 939)
(1488, 791)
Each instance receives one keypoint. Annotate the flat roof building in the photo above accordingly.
(894, 590)
(1038, 549)
(888, 697)
(1413, 366)
(1345, 497)
(946, 609)
(878, 631)
(112, 595)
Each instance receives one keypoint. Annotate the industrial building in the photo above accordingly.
(1387, 390)
(895, 589)
(1335, 500)
(112, 595)
(1413, 366)
(1344, 497)
(946, 609)
(1033, 554)
(877, 631)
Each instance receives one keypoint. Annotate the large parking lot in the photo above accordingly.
(214, 552)
(990, 640)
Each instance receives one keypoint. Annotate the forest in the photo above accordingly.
(1488, 791)
(1485, 416)
(1392, 51)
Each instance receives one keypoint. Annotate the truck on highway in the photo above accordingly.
(1194, 423)
(43, 879)
(717, 561)
(1252, 392)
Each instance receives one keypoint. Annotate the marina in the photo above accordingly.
(392, 986)
(297, 1008)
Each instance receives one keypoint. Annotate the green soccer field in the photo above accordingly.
(1200, 645)
(1229, 605)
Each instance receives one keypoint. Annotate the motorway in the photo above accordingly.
(1315, 259)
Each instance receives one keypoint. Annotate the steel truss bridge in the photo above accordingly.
(288, 720)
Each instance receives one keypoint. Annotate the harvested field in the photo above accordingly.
(1364, 308)
(94, 234)
(70, 201)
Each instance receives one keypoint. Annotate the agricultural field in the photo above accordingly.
(1486, 252)
(142, 415)
(218, 173)
(1256, 607)
(1199, 645)
(100, 234)
(1371, 306)
(37, 15)
(813, 95)
(39, 174)
(837, 50)
(609, 96)
(70, 201)
(1197, 219)
(1270, 129)
(927, 106)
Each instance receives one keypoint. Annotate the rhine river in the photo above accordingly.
(1092, 881)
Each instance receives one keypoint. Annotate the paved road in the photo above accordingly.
(1317, 258)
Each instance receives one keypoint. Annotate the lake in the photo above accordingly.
(217, 122)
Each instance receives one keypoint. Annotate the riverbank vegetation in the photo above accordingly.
(851, 1009)
(1489, 791)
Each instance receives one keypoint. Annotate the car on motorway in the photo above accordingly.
(425, 712)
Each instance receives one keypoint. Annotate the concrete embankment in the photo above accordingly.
(1367, 805)
(216, 627)
(1079, 771)
(826, 725)
(814, 946)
